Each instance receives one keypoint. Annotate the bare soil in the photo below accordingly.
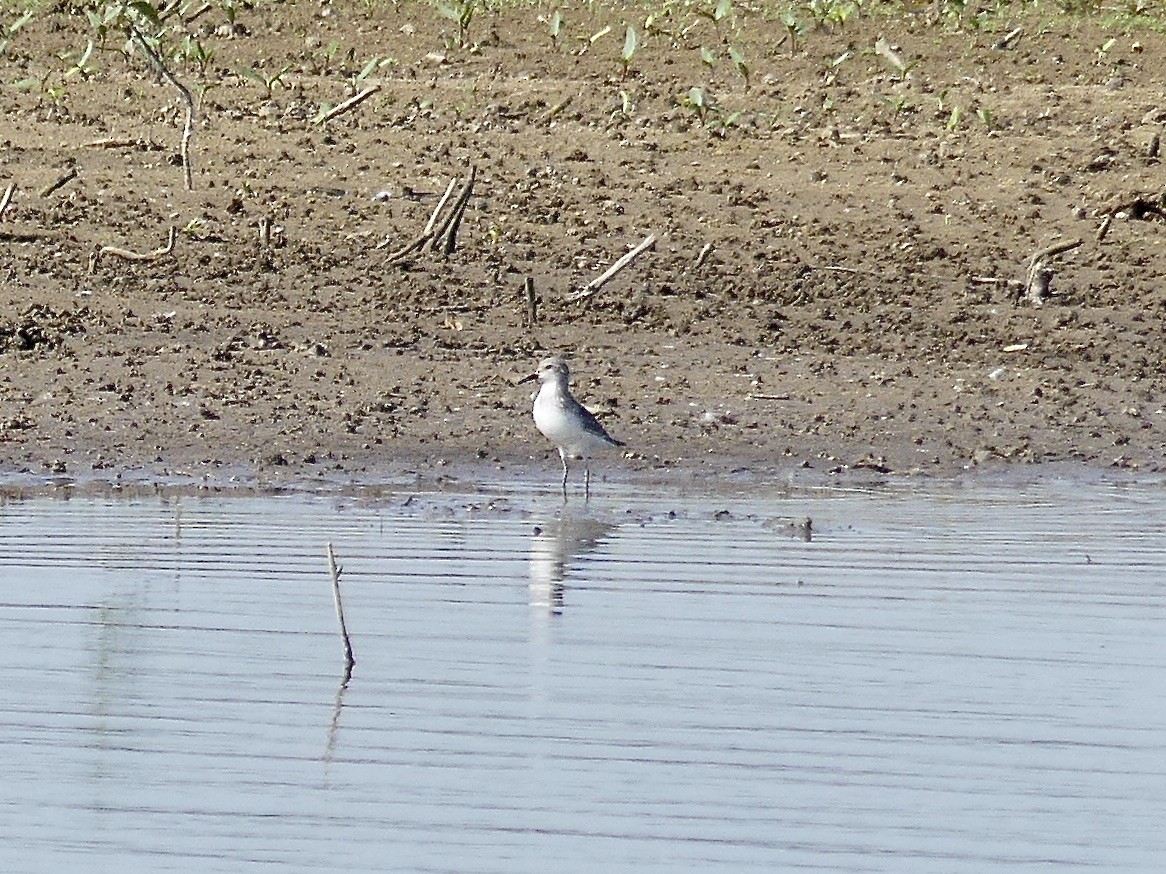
(838, 321)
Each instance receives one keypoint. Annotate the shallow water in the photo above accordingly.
(961, 680)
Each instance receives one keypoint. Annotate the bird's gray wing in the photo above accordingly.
(590, 424)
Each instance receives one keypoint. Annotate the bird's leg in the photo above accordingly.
(587, 482)
(563, 455)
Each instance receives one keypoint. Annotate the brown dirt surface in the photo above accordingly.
(853, 193)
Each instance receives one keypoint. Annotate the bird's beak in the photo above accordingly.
(530, 377)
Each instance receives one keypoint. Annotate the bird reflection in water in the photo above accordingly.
(553, 548)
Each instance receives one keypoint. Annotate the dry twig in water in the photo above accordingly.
(130, 255)
(334, 571)
(595, 284)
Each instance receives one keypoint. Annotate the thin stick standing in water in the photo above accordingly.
(334, 570)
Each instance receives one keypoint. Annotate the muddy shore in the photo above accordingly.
(836, 287)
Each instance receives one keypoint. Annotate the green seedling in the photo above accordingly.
(885, 51)
(268, 82)
(718, 13)
(140, 23)
(719, 123)
(698, 102)
(7, 32)
(462, 12)
(953, 120)
(556, 27)
(81, 67)
(630, 43)
(795, 28)
(941, 99)
(193, 51)
(707, 57)
(371, 66)
(831, 13)
(741, 64)
(230, 10)
(985, 116)
(901, 104)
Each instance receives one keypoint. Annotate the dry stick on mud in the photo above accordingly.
(334, 571)
(1140, 207)
(428, 232)
(6, 199)
(1039, 277)
(703, 256)
(554, 111)
(188, 127)
(59, 183)
(449, 229)
(446, 230)
(531, 302)
(595, 284)
(130, 255)
(350, 103)
(111, 143)
(1007, 39)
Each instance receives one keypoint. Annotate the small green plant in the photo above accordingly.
(1103, 52)
(268, 82)
(556, 27)
(889, 54)
(43, 84)
(741, 64)
(194, 52)
(718, 13)
(708, 57)
(711, 116)
(699, 102)
(145, 34)
(371, 66)
(461, 12)
(630, 44)
(795, 28)
(8, 31)
(831, 13)
(720, 123)
(81, 66)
